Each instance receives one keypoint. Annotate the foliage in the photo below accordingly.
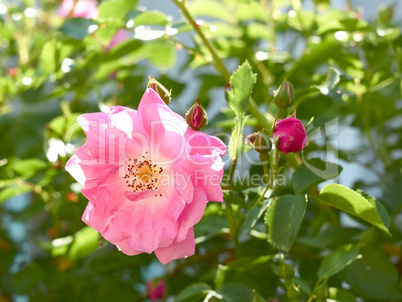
(296, 235)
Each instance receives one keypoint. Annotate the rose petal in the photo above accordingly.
(192, 213)
(177, 250)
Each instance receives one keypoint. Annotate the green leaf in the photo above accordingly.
(254, 214)
(249, 272)
(252, 11)
(24, 280)
(353, 203)
(236, 139)
(283, 218)
(151, 18)
(210, 8)
(259, 31)
(340, 295)
(79, 28)
(62, 124)
(194, 292)
(12, 191)
(373, 276)
(331, 81)
(115, 11)
(47, 58)
(236, 293)
(84, 242)
(28, 167)
(160, 52)
(312, 172)
(382, 211)
(242, 82)
(337, 260)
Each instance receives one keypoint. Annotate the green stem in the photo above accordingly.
(311, 297)
(264, 158)
(218, 62)
(232, 169)
(274, 165)
(232, 224)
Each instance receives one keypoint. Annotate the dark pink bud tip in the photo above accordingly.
(156, 292)
(196, 117)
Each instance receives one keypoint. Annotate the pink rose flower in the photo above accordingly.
(291, 134)
(156, 292)
(147, 177)
(83, 9)
(121, 36)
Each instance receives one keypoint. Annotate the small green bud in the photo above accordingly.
(285, 95)
(262, 143)
(196, 117)
(293, 293)
(164, 94)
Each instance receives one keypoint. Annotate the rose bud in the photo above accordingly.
(196, 117)
(262, 143)
(285, 95)
(160, 90)
(290, 135)
(156, 292)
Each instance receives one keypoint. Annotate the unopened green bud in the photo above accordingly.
(262, 143)
(293, 293)
(196, 117)
(164, 94)
(285, 95)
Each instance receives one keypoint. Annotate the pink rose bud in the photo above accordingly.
(196, 117)
(165, 95)
(156, 291)
(81, 9)
(285, 95)
(290, 135)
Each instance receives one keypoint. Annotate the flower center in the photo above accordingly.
(142, 175)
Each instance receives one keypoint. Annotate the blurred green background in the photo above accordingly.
(345, 64)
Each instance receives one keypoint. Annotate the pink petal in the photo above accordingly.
(150, 97)
(157, 118)
(126, 249)
(143, 223)
(183, 184)
(192, 213)
(121, 36)
(204, 144)
(82, 9)
(209, 177)
(94, 221)
(177, 250)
